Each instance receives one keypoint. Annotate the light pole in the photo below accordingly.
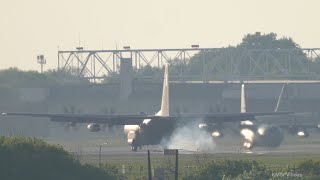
(100, 147)
(41, 61)
(195, 46)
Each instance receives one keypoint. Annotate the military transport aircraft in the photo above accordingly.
(151, 129)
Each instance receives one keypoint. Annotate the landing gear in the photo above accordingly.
(293, 130)
(303, 133)
(248, 145)
(134, 146)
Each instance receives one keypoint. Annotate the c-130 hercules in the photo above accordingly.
(148, 129)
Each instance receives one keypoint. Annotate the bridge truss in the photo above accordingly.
(226, 63)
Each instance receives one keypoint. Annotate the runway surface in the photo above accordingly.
(226, 145)
(225, 149)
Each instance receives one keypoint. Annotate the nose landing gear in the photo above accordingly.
(134, 146)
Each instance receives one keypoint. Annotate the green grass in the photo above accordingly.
(136, 166)
(271, 160)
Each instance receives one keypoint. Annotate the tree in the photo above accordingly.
(29, 158)
(142, 72)
(309, 168)
(267, 41)
(315, 65)
(13, 77)
(229, 169)
(256, 46)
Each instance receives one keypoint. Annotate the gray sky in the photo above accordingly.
(32, 27)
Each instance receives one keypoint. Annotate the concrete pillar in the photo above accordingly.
(125, 79)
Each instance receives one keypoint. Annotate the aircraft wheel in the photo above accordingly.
(134, 148)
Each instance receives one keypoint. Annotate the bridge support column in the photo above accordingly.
(125, 79)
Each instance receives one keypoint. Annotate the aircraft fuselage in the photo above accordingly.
(149, 133)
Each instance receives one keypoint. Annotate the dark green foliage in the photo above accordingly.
(266, 41)
(256, 173)
(33, 159)
(256, 41)
(61, 77)
(142, 73)
(8, 93)
(148, 70)
(315, 65)
(229, 169)
(306, 169)
(112, 77)
(14, 77)
(111, 169)
(309, 168)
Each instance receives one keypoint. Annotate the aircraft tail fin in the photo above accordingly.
(243, 107)
(164, 111)
(280, 98)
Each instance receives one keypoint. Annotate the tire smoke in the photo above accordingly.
(191, 138)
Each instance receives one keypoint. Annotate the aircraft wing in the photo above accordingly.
(138, 119)
(87, 118)
(227, 117)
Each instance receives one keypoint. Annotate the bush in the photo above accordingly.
(309, 168)
(255, 173)
(229, 170)
(30, 158)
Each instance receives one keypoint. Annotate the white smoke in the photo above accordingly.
(191, 138)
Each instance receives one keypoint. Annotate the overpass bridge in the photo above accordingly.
(227, 64)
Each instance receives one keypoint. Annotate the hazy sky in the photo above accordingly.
(32, 27)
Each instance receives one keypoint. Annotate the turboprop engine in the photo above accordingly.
(214, 130)
(93, 127)
(303, 133)
(263, 135)
(299, 131)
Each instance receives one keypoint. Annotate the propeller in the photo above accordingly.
(70, 109)
(106, 110)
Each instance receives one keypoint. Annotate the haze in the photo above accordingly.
(33, 27)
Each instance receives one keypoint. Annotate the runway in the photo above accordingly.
(226, 145)
(225, 149)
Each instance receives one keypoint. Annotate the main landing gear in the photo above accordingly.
(134, 146)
